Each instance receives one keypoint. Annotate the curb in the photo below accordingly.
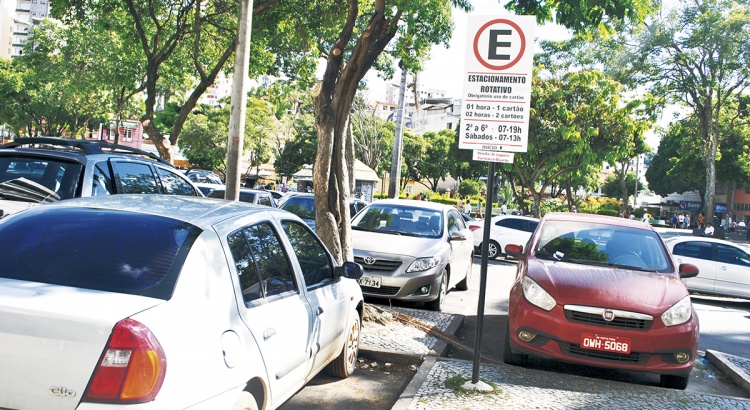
(416, 382)
(738, 375)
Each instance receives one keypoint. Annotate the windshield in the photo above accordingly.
(113, 251)
(38, 180)
(402, 220)
(602, 244)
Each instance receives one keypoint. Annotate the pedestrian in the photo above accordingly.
(467, 207)
(709, 230)
(646, 217)
(674, 220)
(573, 209)
(681, 220)
(504, 208)
(687, 220)
(701, 220)
(460, 204)
(479, 209)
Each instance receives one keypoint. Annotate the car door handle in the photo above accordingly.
(319, 311)
(269, 333)
(722, 267)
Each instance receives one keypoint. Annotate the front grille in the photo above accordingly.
(598, 355)
(598, 320)
(380, 265)
(383, 290)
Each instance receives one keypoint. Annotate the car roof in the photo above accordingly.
(199, 211)
(500, 217)
(413, 203)
(690, 238)
(312, 196)
(76, 149)
(594, 218)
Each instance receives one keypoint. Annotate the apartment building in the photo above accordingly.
(27, 13)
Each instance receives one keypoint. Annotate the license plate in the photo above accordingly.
(369, 281)
(606, 343)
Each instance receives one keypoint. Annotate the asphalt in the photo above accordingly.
(445, 383)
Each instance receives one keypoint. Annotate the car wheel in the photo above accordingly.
(464, 284)
(509, 357)
(494, 250)
(674, 382)
(246, 401)
(437, 304)
(343, 366)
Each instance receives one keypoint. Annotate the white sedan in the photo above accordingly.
(724, 268)
(506, 229)
(165, 302)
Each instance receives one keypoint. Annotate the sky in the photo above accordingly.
(444, 69)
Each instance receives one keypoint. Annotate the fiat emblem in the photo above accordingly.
(369, 260)
(608, 315)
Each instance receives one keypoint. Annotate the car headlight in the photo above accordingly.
(536, 295)
(421, 264)
(679, 313)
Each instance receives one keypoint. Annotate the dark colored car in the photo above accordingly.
(47, 169)
(602, 291)
(303, 205)
(251, 196)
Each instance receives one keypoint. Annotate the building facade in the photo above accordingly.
(27, 13)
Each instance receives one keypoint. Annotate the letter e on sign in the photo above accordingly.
(499, 44)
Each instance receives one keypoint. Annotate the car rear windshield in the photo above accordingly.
(302, 206)
(50, 179)
(95, 249)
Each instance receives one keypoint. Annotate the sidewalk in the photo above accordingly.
(437, 383)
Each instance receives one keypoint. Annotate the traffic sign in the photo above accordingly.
(497, 83)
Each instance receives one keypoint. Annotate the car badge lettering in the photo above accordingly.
(61, 391)
(369, 260)
(608, 315)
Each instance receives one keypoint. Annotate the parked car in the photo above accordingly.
(724, 267)
(251, 196)
(46, 169)
(204, 176)
(154, 301)
(601, 291)
(303, 205)
(206, 188)
(506, 229)
(412, 250)
(667, 233)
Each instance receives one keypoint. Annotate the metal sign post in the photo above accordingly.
(483, 272)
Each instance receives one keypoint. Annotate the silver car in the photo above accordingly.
(724, 267)
(412, 250)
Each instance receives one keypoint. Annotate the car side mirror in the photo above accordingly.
(688, 270)
(457, 237)
(350, 270)
(515, 251)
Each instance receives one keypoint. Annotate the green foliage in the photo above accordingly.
(300, 150)
(470, 187)
(204, 141)
(613, 189)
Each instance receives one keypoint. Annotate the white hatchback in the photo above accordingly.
(168, 302)
(506, 229)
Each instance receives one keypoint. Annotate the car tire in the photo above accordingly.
(437, 304)
(494, 250)
(343, 366)
(509, 357)
(246, 401)
(464, 284)
(674, 382)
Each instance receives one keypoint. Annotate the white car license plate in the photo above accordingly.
(369, 281)
(606, 343)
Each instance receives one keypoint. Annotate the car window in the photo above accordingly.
(96, 249)
(174, 184)
(456, 222)
(248, 197)
(694, 249)
(265, 200)
(317, 268)
(136, 178)
(216, 193)
(261, 261)
(58, 177)
(400, 219)
(511, 223)
(302, 206)
(102, 183)
(530, 226)
(732, 255)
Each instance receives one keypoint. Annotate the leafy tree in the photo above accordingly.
(677, 166)
(300, 150)
(612, 186)
(370, 133)
(260, 126)
(700, 55)
(462, 164)
(414, 153)
(436, 162)
(203, 141)
(365, 29)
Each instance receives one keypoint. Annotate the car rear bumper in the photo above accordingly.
(558, 338)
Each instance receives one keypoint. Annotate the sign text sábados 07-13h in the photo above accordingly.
(497, 83)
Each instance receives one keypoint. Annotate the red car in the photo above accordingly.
(602, 291)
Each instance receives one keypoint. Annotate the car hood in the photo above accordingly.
(392, 244)
(577, 284)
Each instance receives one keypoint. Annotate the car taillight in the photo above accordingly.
(474, 227)
(131, 369)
